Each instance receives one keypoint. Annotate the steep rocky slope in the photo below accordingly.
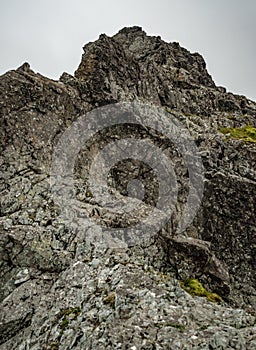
(62, 284)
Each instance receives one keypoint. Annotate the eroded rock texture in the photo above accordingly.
(61, 290)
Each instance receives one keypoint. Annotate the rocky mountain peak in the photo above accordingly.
(137, 30)
(133, 65)
(75, 273)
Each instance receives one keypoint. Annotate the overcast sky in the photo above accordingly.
(50, 34)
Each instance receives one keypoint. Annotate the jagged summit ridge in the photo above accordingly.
(133, 58)
(132, 65)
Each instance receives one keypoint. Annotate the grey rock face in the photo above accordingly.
(64, 286)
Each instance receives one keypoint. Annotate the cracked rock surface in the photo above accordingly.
(64, 286)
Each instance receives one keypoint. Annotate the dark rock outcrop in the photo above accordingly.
(60, 289)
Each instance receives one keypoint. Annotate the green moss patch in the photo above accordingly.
(195, 288)
(180, 327)
(67, 316)
(245, 133)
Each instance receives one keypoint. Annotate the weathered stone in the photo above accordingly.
(78, 287)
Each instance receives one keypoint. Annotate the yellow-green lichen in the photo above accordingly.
(164, 277)
(246, 133)
(195, 288)
(180, 327)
